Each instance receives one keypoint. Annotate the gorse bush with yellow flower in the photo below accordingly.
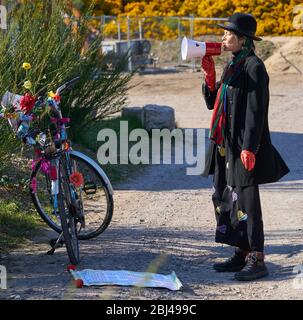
(41, 49)
(275, 17)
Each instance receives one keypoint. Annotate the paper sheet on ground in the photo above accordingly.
(127, 278)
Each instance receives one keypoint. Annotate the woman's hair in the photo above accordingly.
(248, 41)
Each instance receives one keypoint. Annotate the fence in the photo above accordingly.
(157, 28)
(163, 32)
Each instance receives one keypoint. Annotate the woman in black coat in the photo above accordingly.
(241, 155)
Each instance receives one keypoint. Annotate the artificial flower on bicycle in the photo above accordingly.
(29, 116)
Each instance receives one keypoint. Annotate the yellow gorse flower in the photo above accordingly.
(26, 66)
(27, 85)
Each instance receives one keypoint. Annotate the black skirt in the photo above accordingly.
(238, 212)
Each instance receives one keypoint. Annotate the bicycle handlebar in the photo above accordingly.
(67, 85)
(63, 87)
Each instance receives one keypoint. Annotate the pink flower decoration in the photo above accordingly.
(34, 185)
(45, 166)
(33, 164)
(60, 121)
(65, 120)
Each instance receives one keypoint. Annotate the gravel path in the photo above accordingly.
(163, 219)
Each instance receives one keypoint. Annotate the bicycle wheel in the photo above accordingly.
(96, 196)
(69, 223)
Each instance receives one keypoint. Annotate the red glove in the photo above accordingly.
(208, 66)
(248, 159)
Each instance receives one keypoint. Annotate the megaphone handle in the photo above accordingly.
(208, 66)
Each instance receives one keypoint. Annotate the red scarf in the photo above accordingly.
(218, 121)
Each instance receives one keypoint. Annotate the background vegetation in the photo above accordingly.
(275, 17)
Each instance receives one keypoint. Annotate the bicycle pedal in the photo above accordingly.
(89, 188)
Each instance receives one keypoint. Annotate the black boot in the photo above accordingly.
(234, 263)
(255, 268)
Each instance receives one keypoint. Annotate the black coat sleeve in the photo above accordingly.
(257, 105)
(210, 96)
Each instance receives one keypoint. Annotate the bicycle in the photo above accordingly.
(69, 190)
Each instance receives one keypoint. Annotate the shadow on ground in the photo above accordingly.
(174, 177)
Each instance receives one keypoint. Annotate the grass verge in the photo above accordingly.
(16, 225)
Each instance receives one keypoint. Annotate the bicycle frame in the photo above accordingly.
(55, 162)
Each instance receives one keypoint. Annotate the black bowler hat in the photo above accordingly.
(243, 24)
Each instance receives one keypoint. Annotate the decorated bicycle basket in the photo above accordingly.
(33, 119)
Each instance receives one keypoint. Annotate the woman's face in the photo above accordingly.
(231, 42)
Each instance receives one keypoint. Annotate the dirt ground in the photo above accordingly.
(164, 219)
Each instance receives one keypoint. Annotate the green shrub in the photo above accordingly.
(58, 51)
